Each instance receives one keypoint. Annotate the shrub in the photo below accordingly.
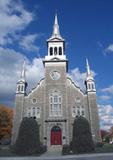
(28, 142)
(43, 148)
(5, 141)
(65, 149)
(99, 144)
(82, 137)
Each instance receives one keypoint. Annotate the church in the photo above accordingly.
(56, 100)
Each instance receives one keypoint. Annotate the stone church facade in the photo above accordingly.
(56, 100)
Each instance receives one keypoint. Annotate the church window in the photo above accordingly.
(34, 100)
(18, 88)
(77, 100)
(38, 110)
(55, 50)
(51, 51)
(29, 114)
(51, 99)
(89, 86)
(60, 50)
(82, 113)
(93, 86)
(59, 99)
(78, 111)
(73, 111)
(22, 88)
(33, 112)
(55, 104)
(55, 98)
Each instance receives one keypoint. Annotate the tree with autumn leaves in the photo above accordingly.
(6, 116)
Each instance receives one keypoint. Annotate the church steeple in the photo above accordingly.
(56, 44)
(90, 83)
(22, 84)
(56, 31)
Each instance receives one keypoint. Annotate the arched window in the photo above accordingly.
(60, 50)
(78, 111)
(19, 88)
(33, 112)
(55, 51)
(93, 86)
(22, 88)
(51, 51)
(89, 86)
(55, 100)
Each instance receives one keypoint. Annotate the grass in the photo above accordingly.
(107, 148)
(5, 151)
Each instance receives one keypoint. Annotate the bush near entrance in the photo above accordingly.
(28, 141)
(82, 138)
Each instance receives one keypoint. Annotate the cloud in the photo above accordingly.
(104, 97)
(10, 69)
(27, 43)
(79, 77)
(35, 72)
(109, 49)
(108, 90)
(106, 116)
(14, 18)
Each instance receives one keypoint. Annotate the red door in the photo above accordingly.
(56, 136)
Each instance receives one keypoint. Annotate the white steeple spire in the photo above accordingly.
(23, 73)
(90, 83)
(22, 84)
(88, 67)
(56, 32)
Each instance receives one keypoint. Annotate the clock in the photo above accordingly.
(55, 75)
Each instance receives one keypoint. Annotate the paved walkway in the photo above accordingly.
(53, 151)
(102, 156)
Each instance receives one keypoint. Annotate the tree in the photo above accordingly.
(28, 141)
(104, 134)
(111, 133)
(82, 138)
(6, 115)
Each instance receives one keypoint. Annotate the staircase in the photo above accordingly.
(53, 151)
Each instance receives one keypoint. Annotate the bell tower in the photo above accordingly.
(19, 104)
(56, 66)
(56, 44)
(92, 105)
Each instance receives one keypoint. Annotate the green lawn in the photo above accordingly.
(107, 148)
(5, 151)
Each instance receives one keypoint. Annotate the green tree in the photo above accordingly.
(82, 138)
(28, 141)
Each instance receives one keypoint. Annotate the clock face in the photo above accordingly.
(55, 75)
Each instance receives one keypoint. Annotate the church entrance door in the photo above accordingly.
(56, 136)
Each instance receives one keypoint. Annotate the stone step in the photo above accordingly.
(53, 151)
